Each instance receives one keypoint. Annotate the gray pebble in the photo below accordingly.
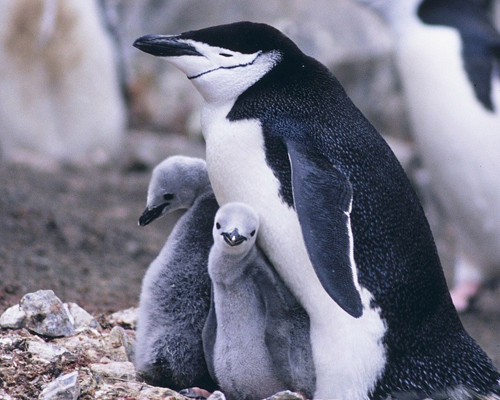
(46, 314)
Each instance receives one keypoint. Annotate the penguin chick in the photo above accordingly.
(256, 338)
(175, 295)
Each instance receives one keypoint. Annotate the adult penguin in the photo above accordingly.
(339, 219)
(448, 56)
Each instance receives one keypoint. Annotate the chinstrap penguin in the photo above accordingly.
(256, 337)
(175, 295)
(448, 55)
(339, 219)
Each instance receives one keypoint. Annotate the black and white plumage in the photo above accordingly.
(175, 295)
(448, 55)
(256, 337)
(338, 217)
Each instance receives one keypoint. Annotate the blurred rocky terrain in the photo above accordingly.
(72, 228)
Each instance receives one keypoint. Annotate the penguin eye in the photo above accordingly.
(217, 225)
(168, 196)
(252, 233)
(225, 55)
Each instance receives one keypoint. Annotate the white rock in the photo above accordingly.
(285, 395)
(147, 392)
(65, 387)
(217, 396)
(91, 346)
(117, 337)
(12, 318)
(117, 345)
(47, 352)
(126, 318)
(4, 395)
(113, 370)
(6, 341)
(82, 318)
(46, 314)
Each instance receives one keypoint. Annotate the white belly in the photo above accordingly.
(347, 352)
(458, 138)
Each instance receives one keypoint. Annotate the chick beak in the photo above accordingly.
(233, 238)
(152, 213)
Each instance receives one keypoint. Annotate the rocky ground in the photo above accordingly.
(52, 350)
(74, 231)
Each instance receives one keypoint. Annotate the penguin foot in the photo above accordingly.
(195, 393)
(463, 293)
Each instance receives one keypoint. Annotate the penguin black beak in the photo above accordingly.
(152, 213)
(165, 46)
(233, 238)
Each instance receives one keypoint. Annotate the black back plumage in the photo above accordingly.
(480, 40)
(299, 100)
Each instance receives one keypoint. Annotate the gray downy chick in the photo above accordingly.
(256, 338)
(175, 295)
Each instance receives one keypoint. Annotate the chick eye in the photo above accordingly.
(168, 196)
(252, 234)
(217, 225)
(225, 55)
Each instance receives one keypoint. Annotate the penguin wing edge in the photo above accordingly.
(323, 197)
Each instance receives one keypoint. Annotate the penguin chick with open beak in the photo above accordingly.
(256, 338)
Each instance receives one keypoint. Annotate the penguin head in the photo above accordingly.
(222, 61)
(175, 184)
(235, 228)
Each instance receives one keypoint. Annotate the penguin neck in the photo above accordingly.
(214, 95)
(219, 87)
(203, 191)
(227, 270)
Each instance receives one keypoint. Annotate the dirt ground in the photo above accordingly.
(75, 231)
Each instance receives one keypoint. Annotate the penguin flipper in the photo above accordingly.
(323, 212)
(208, 337)
(479, 60)
(480, 40)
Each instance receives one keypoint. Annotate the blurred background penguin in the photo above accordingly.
(448, 57)
(60, 90)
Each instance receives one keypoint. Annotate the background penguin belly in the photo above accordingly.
(238, 172)
(60, 96)
(459, 139)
